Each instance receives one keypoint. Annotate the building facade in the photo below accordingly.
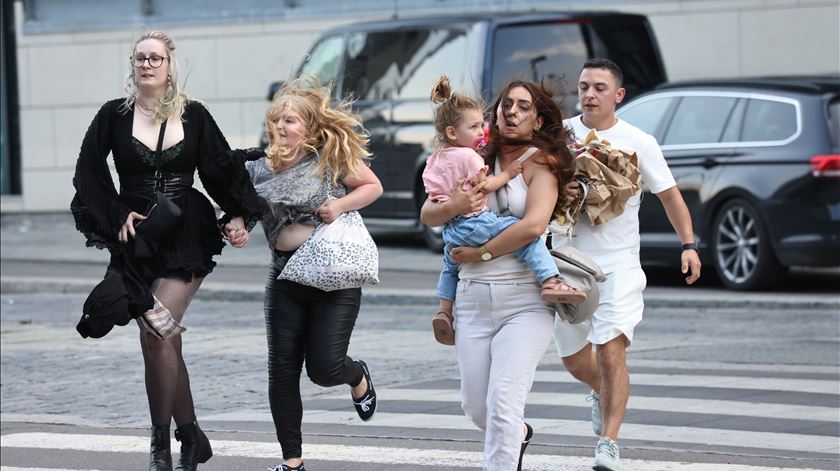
(63, 59)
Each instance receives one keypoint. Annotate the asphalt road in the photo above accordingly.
(722, 381)
(723, 389)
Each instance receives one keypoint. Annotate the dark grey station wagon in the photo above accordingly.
(758, 163)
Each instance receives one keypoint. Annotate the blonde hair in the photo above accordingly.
(174, 100)
(450, 108)
(333, 132)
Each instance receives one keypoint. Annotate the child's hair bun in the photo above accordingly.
(441, 91)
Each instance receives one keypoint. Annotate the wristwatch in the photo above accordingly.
(485, 255)
(690, 246)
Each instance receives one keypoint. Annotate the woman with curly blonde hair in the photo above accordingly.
(314, 170)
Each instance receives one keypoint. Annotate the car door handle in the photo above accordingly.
(709, 163)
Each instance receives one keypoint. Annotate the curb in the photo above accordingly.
(388, 296)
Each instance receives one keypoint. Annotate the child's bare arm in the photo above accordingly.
(494, 182)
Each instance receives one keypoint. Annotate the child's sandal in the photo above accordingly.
(442, 327)
(557, 295)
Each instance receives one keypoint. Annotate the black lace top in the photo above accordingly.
(100, 211)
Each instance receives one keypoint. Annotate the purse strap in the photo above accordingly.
(158, 150)
(501, 193)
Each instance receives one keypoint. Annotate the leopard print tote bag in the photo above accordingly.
(338, 255)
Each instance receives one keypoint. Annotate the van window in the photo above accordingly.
(534, 51)
(648, 115)
(834, 124)
(371, 71)
(324, 60)
(767, 120)
(699, 120)
(428, 53)
(628, 41)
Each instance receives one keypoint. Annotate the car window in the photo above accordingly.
(834, 124)
(767, 120)
(647, 115)
(427, 54)
(531, 52)
(699, 120)
(324, 59)
(371, 71)
(628, 41)
(735, 123)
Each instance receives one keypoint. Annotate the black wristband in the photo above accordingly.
(690, 246)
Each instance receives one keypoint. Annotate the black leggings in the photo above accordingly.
(305, 323)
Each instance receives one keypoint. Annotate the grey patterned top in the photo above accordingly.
(292, 195)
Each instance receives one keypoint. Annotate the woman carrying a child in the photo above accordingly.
(502, 324)
(459, 122)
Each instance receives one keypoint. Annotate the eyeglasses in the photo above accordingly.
(154, 61)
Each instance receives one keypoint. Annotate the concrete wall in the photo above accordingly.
(65, 77)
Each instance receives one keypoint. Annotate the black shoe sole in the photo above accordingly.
(525, 444)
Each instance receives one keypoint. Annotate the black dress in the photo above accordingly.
(100, 211)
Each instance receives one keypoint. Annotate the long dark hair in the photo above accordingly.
(552, 138)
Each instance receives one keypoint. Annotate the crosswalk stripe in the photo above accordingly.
(731, 382)
(769, 369)
(667, 404)
(15, 468)
(342, 453)
(653, 433)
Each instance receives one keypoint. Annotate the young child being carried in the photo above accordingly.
(459, 126)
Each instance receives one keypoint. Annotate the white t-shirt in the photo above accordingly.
(614, 245)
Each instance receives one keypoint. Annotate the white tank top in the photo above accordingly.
(506, 268)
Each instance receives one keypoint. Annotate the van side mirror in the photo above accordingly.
(273, 87)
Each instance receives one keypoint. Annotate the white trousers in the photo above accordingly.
(501, 333)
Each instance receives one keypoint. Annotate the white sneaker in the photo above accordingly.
(606, 455)
(597, 420)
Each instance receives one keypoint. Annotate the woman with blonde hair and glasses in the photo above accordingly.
(158, 138)
(315, 170)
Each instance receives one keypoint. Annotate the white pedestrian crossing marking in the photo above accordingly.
(802, 428)
(544, 427)
(669, 404)
(709, 381)
(342, 453)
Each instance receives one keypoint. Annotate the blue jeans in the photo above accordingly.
(477, 230)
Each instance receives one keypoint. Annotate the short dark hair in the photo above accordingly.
(604, 63)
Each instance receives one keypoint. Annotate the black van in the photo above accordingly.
(390, 67)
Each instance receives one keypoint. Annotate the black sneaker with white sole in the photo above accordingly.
(285, 467)
(366, 405)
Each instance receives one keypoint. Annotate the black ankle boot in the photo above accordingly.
(195, 447)
(160, 458)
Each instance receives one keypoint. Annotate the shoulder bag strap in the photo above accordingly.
(501, 193)
(158, 177)
(527, 155)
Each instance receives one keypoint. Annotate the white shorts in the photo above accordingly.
(619, 312)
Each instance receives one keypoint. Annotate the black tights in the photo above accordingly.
(305, 323)
(167, 380)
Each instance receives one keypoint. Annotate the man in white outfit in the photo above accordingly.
(614, 245)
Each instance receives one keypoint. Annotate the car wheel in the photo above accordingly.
(433, 237)
(744, 258)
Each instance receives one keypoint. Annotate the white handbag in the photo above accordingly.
(338, 255)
